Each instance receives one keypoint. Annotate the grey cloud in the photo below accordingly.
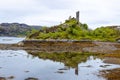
(92, 12)
(56, 4)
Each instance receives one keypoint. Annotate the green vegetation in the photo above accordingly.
(73, 30)
(106, 34)
(69, 59)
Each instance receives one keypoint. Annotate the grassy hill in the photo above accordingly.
(73, 30)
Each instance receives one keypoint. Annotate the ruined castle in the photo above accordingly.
(77, 16)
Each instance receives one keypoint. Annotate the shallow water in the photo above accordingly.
(10, 40)
(22, 65)
(19, 65)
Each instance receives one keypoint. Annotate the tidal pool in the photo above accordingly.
(20, 65)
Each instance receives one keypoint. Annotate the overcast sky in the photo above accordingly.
(95, 13)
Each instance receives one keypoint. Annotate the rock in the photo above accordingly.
(61, 72)
(118, 40)
(2, 78)
(11, 77)
(104, 66)
(27, 71)
(87, 66)
(65, 68)
(31, 78)
(20, 43)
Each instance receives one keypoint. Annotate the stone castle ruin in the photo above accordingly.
(77, 16)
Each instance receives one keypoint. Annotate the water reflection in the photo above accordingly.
(22, 65)
(71, 60)
(75, 60)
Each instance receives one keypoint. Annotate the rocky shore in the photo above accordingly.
(64, 46)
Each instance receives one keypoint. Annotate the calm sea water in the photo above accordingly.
(22, 65)
(10, 40)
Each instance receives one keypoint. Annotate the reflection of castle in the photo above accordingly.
(76, 70)
(69, 59)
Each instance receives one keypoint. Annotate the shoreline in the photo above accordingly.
(64, 46)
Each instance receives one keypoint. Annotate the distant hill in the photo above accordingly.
(16, 29)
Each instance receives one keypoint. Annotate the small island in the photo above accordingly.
(73, 36)
(72, 29)
(70, 36)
